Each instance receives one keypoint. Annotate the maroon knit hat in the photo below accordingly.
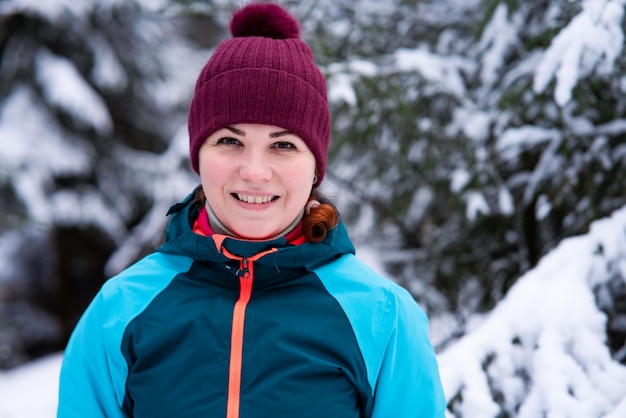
(265, 74)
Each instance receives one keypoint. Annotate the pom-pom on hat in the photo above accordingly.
(264, 74)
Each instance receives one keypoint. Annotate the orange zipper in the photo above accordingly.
(246, 278)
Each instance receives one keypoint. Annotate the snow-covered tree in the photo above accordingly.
(91, 95)
(475, 148)
(485, 133)
(543, 351)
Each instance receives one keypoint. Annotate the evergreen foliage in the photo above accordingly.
(481, 138)
(91, 95)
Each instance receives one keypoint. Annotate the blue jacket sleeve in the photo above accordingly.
(408, 381)
(94, 370)
(91, 381)
(392, 332)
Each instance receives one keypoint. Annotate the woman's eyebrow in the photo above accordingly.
(272, 135)
(236, 131)
(279, 134)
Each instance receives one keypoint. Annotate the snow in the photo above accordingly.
(340, 89)
(459, 179)
(506, 204)
(422, 199)
(52, 10)
(69, 9)
(107, 71)
(22, 146)
(558, 338)
(514, 141)
(31, 390)
(65, 87)
(444, 71)
(475, 204)
(342, 76)
(28, 157)
(593, 40)
(498, 37)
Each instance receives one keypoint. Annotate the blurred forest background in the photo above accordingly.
(470, 138)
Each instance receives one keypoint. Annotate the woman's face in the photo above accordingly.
(256, 178)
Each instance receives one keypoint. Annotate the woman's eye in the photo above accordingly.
(284, 145)
(228, 141)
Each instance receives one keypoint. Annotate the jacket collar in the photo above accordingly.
(182, 240)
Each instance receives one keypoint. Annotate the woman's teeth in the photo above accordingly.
(254, 199)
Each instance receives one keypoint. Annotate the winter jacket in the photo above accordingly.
(220, 327)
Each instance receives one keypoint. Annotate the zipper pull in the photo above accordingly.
(244, 268)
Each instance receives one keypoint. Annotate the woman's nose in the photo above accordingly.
(255, 167)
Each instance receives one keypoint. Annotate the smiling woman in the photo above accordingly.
(257, 179)
(255, 305)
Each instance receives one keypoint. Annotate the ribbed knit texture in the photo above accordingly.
(257, 79)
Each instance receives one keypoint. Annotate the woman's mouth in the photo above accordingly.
(254, 199)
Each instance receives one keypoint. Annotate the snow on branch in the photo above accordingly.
(64, 86)
(543, 350)
(443, 71)
(592, 41)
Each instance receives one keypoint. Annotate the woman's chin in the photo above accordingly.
(253, 232)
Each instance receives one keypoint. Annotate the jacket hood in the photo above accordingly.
(180, 239)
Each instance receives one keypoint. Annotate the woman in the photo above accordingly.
(255, 306)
